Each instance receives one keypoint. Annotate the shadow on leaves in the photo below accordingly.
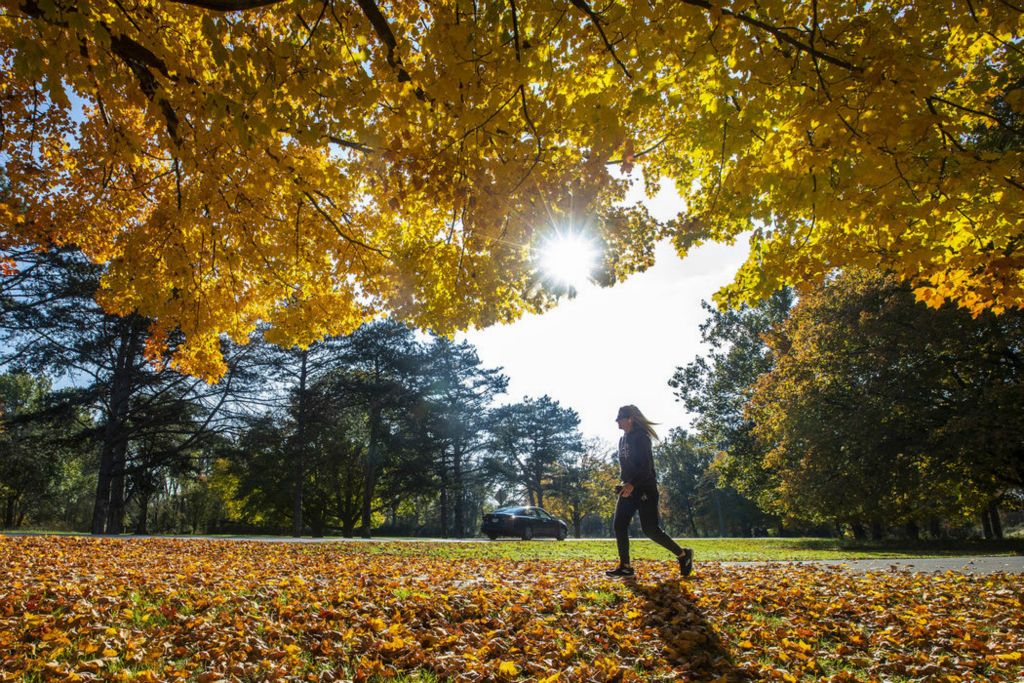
(691, 644)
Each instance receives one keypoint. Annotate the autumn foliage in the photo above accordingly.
(76, 609)
(312, 165)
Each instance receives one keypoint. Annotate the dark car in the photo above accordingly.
(524, 522)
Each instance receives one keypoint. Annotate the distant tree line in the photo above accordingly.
(855, 409)
(851, 409)
(384, 431)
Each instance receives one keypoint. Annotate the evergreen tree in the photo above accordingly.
(460, 393)
(530, 440)
(49, 323)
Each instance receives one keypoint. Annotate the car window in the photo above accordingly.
(544, 514)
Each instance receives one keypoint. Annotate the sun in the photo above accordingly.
(569, 258)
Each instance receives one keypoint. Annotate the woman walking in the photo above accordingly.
(639, 492)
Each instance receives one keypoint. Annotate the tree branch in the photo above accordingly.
(515, 28)
(779, 35)
(337, 228)
(227, 5)
(582, 4)
(351, 144)
(383, 30)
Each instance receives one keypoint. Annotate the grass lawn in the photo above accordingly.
(706, 549)
(715, 549)
(95, 609)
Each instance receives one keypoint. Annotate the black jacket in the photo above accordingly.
(636, 463)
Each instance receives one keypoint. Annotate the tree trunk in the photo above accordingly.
(113, 446)
(859, 532)
(997, 523)
(317, 523)
(913, 530)
(299, 465)
(9, 513)
(372, 465)
(459, 507)
(141, 525)
(718, 509)
(102, 500)
(443, 504)
(877, 531)
(986, 524)
(690, 516)
(115, 512)
(935, 527)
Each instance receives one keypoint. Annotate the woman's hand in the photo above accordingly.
(627, 490)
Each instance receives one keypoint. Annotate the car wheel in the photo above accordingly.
(492, 537)
(561, 534)
(527, 533)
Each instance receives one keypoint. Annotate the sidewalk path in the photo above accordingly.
(968, 565)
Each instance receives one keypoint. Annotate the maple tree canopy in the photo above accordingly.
(313, 164)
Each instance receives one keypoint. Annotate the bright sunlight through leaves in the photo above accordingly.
(569, 258)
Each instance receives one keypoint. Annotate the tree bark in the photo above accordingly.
(299, 466)
(690, 516)
(997, 523)
(859, 532)
(115, 511)
(142, 523)
(877, 531)
(986, 524)
(102, 499)
(372, 466)
(113, 445)
(716, 495)
(443, 504)
(442, 474)
(9, 513)
(459, 504)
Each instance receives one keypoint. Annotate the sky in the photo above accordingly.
(617, 345)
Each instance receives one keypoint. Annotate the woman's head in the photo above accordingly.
(630, 417)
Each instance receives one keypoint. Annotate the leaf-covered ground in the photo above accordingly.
(104, 609)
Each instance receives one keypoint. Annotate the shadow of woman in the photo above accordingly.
(692, 645)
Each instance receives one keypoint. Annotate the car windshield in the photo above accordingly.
(511, 510)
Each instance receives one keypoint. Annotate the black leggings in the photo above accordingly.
(646, 502)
